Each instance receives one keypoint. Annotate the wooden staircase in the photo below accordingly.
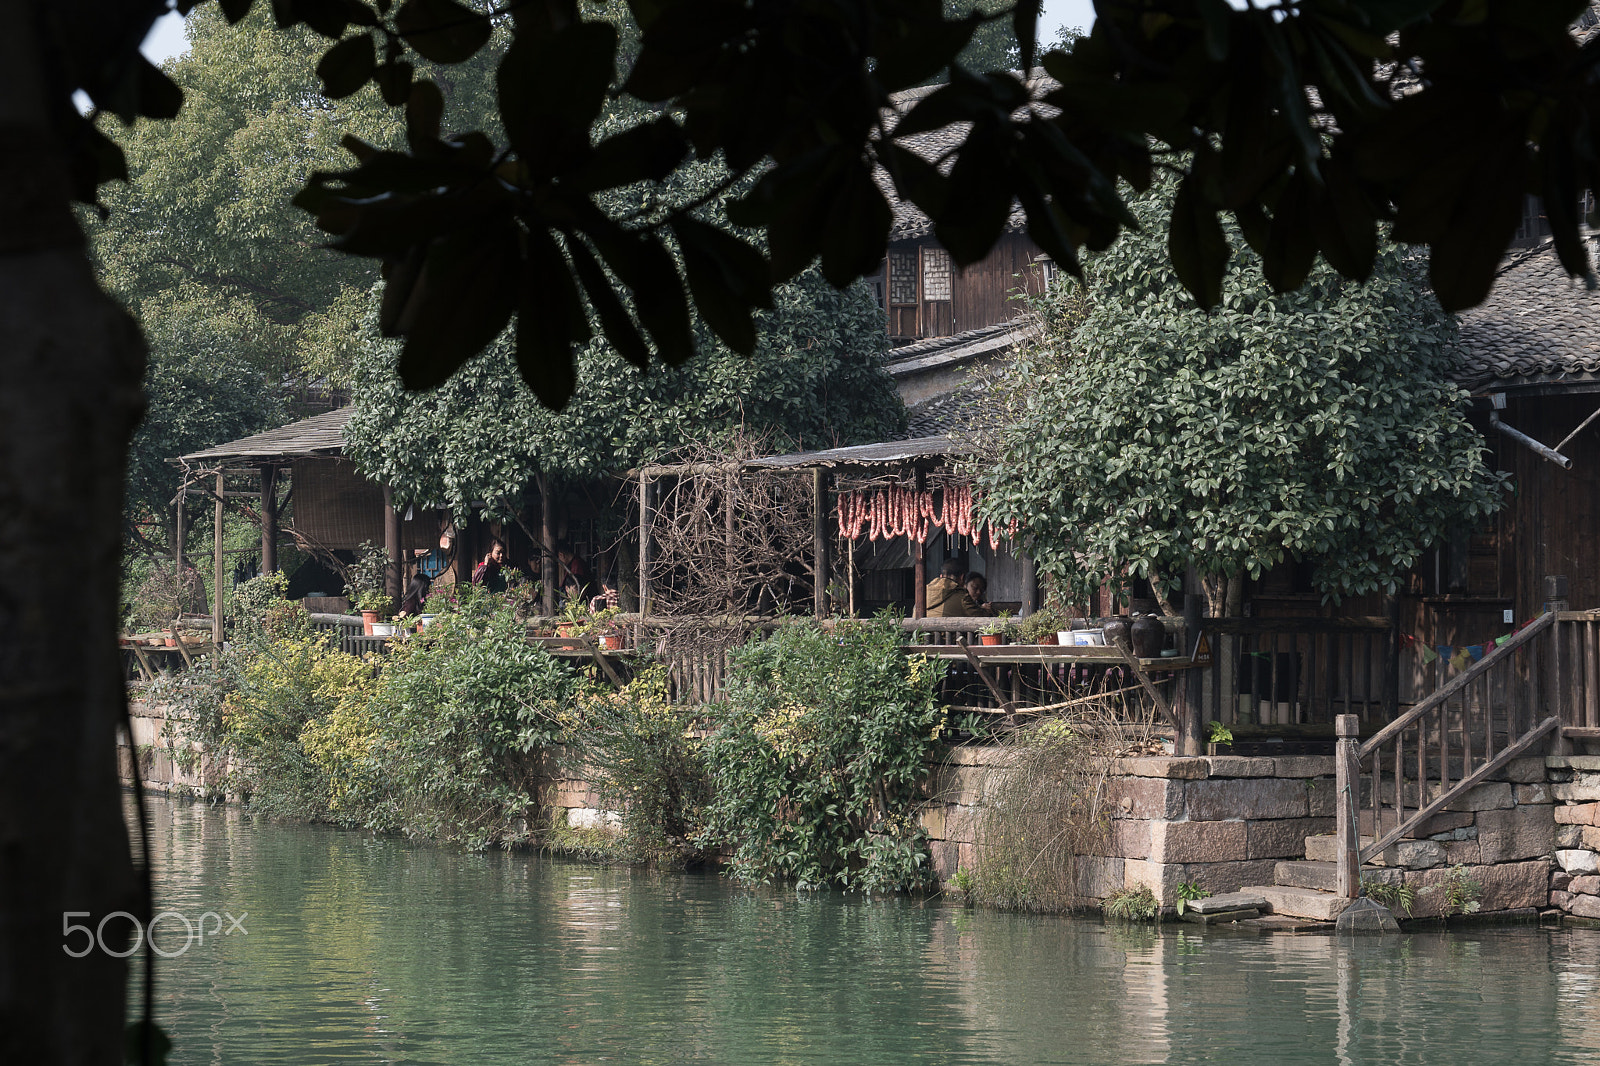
(1395, 788)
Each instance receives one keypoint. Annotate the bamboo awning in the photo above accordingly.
(319, 435)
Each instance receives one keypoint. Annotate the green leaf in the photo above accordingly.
(551, 87)
(1198, 248)
(442, 30)
(347, 66)
(464, 296)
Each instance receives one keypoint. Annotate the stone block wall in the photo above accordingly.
(1574, 785)
(166, 764)
(1225, 821)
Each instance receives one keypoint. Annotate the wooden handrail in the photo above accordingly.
(1457, 684)
(1509, 752)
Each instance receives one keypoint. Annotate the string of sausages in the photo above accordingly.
(902, 511)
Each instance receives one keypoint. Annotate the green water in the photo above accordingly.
(358, 949)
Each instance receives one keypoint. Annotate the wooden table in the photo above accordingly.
(984, 658)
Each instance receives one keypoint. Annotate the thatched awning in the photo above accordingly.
(319, 435)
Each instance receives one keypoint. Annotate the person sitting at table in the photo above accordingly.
(946, 596)
(978, 592)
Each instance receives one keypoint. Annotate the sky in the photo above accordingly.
(166, 37)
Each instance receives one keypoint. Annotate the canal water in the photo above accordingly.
(350, 948)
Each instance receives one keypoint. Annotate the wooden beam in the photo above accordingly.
(820, 562)
(216, 566)
(269, 519)
(391, 547)
(547, 546)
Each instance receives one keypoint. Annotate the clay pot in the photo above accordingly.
(990, 640)
(367, 620)
(1118, 632)
(1148, 636)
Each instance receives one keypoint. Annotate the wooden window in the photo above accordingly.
(935, 274)
(903, 278)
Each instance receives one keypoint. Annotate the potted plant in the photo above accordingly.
(1042, 626)
(364, 584)
(997, 631)
(373, 604)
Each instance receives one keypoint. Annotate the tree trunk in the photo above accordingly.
(72, 363)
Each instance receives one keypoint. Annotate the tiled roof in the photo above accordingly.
(318, 435)
(962, 347)
(967, 409)
(1537, 324)
(937, 146)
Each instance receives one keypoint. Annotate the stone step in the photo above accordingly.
(1227, 901)
(1300, 902)
(1321, 876)
(1407, 854)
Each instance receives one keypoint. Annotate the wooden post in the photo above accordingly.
(269, 519)
(391, 546)
(547, 559)
(1030, 586)
(730, 559)
(177, 537)
(1555, 597)
(850, 573)
(1347, 783)
(820, 562)
(216, 563)
(1189, 741)
(919, 597)
(644, 545)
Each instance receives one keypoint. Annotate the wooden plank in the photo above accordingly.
(977, 664)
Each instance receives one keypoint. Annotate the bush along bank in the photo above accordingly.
(812, 770)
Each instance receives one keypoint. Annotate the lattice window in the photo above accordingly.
(903, 278)
(935, 274)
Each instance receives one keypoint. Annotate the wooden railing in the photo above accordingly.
(1451, 741)
(1301, 671)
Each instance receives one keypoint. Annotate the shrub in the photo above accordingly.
(1132, 905)
(450, 748)
(642, 756)
(819, 755)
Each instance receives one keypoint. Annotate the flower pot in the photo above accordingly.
(368, 619)
(1048, 639)
(381, 629)
(1065, 638)
(170, 642)
(1118, 632)
(990, 640)
(611, 642)
(424, 621)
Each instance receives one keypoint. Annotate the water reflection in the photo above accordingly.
(362, 949)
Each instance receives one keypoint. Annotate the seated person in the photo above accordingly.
(487, 574)
(947, 597)
(978, 593)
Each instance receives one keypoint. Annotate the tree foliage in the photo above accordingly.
(475, 231)
(1319, 424)
(819, 756)
(813, 380)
